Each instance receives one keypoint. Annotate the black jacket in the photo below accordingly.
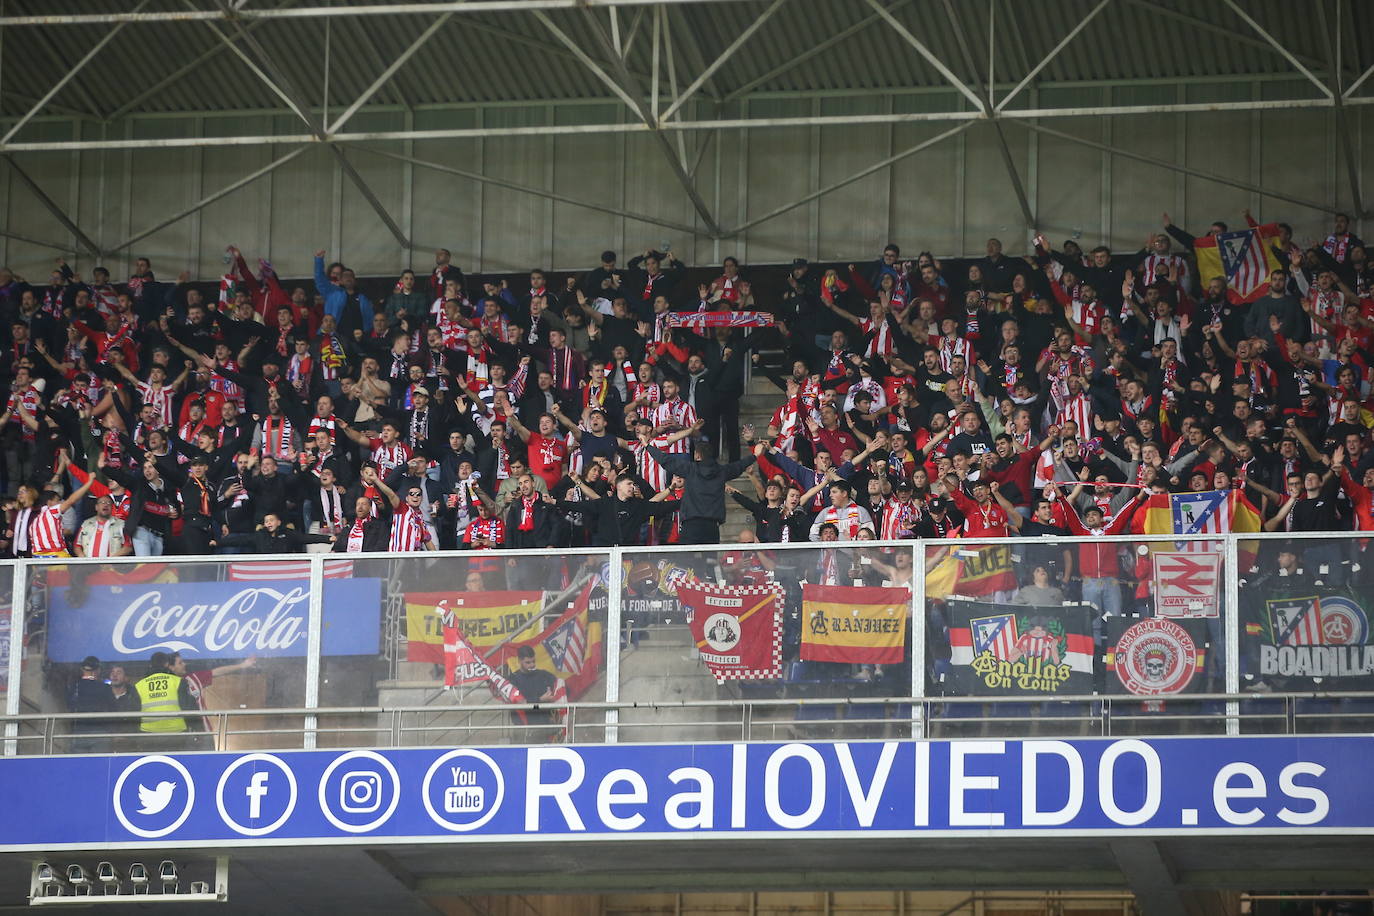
(614, 522)
(704, 494)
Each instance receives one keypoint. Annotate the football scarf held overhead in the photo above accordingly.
(1023, 651)
(865, 626)
(459, 655)
(738, 630)
(719, 320)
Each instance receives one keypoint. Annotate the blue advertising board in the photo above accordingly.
(268, 619)
(595, 792)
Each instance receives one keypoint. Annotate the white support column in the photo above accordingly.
(614, 589)
(313, 641)
(918, 638)
(15, 663)
(1231, 566)
(813, 179)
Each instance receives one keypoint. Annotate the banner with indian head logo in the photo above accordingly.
(1156, 656)
(842, 623)
(1024, 651)
(737, 629)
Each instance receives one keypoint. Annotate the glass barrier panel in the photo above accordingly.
(7, 614)
(1075, 636)
(826, 628)
(1305, 605)
(452, 641)
(126, 638)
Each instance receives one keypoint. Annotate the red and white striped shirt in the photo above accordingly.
(899, 519)
(1156, 267)
(652, 472)
(160, 399)
(676, 412)
(277, 436)
(99, 539)
(882, 343)
(45, 531)
(1079, 409)
(389, 457)
(408, 529)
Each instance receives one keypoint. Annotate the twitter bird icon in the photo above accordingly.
(157, 798)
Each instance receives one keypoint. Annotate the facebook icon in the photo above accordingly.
(257, 788)
(251, 799)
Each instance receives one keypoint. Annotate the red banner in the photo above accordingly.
(738, 630)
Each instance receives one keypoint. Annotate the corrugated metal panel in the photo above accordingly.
(512, 57)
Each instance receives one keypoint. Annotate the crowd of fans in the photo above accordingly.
(983, 398)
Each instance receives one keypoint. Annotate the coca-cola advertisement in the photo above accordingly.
(267, 619)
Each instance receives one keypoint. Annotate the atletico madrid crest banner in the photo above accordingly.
(842, 623)
(737, 629)
(1307, 637)
(1155, 656)
(997, 650)
(1245, 257)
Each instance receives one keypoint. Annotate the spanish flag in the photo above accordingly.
(842, 623)
(1245, 258)
(486, 620)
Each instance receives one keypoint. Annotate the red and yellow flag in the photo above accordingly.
(486, 620)
(842, 623)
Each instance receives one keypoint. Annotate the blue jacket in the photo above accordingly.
(335, 296)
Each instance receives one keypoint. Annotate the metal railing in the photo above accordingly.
(1085, 715)
(925, 715)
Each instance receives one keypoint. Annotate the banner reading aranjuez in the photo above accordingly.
(1307, 637)
(737, 629)
(865, 626)
(997, 650)
(210, 619)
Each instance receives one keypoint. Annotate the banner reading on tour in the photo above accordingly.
(1155, 656)
(486, 619)
(996, 650)
(842, 623)
(1298, 637)
(737, 629)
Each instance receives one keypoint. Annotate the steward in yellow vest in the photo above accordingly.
(162, 691)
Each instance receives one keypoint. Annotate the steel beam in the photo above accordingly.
(819, 48)
(68, 77)
(1176, 167)
(390, 71)
(527, 189)
(1287, 55)
(196, 62)
(41, 243)
(51, 206)
(724, 56)
(1054, 52)
(278, 82)
(985, 104)
(1352, 165)
(1156, 9)
(862, 173)
(1350, 90)
(211, 198)
(585, 59)
(60, 61)
(328, 12)
(925, 52)
(636, 94)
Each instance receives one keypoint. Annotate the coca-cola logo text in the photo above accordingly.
(250, 621)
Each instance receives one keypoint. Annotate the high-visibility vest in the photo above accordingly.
(160, 693)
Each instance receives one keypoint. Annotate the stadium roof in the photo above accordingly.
(662, 67)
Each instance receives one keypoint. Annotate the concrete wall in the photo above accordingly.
(948, 198)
